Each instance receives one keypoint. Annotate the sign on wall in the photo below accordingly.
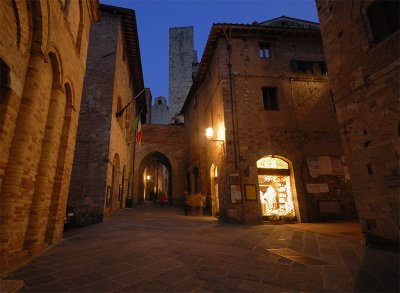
(317, 188)
(236, 193)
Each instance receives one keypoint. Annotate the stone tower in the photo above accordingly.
(182, 56)
(160, 112)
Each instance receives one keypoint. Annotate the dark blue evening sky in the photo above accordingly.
(154, 18)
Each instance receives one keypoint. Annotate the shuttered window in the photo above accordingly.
(383, 16)
(270, 98)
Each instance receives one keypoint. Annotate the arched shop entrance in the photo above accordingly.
(155, 177)
(214, 200)
(276, 188)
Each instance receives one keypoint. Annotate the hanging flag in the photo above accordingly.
(139, 132)
(135, 122)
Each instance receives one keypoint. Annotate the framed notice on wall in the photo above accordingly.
(250, 192)
(236, 193)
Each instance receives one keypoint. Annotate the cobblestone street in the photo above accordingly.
(152, 249)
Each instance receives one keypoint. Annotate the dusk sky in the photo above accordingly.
(154, 18)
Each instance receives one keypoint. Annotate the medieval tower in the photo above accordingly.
(182, 57)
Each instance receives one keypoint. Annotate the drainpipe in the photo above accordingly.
(236, 143)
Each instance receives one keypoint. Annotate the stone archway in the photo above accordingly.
(155, 175)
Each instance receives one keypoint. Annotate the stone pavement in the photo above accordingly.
(155, 249)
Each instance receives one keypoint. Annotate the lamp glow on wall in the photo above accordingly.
(210, 135)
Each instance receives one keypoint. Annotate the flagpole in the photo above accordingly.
(120, 112)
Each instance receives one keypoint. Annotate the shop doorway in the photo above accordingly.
(213, 201)
(276, 189)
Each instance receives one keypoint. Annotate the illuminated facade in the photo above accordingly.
(261, 136)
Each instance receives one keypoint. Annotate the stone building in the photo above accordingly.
(43, 52)
(182, 58)
(262, 96)
(361, 41)
(101, 179)
(160, 111)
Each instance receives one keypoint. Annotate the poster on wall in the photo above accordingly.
(317, 188)
(314, 167)
(337, 166)
(236, 193)
(250, 192)
(325, 164)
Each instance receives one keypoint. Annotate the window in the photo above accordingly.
(323, 67)
(302, 66)
(265, 51)
(270, 98)
(383, 17)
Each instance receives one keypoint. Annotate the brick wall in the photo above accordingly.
(304, 127)
(103, 156)
(365, 85)
(165, 142)
(44, 63)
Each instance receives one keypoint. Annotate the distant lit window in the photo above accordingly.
(383, 18)
(270, 98)
(265, 51)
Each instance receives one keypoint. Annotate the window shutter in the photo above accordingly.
(294, 65)
(383, 17)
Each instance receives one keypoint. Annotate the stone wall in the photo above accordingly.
(181, 58)
(364, 78)
(43, 58)
(103, 158)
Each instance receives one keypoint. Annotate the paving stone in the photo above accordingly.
(81, 279)
(50, 287)
(100, 286)
(39, 281)
(195, 255)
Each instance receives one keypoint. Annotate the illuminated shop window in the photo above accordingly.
(275, 188)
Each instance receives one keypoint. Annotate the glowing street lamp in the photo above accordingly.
(209, 133)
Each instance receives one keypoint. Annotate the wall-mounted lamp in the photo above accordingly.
(148, 177)
(210, 135)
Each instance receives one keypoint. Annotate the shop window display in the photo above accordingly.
(275, 188)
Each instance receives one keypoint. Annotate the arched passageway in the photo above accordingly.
(155, 178)
(277, 189)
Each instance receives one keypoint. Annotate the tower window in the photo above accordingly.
(265, 51)
(270, 99)
(383, 17)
